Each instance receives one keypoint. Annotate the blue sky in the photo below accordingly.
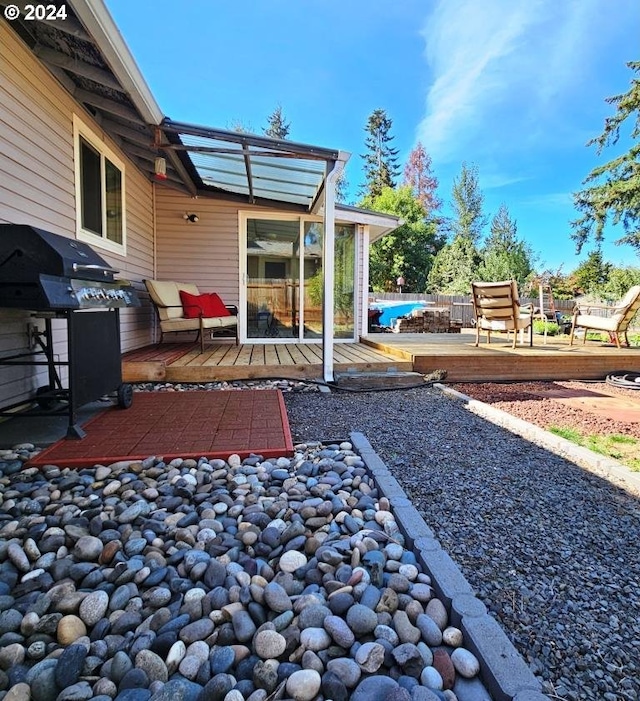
(516, 87)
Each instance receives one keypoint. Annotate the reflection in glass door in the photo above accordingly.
(285, 280)
(273, 279)
(344, 282)
(312, 298)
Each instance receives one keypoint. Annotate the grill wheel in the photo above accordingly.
(125, 395)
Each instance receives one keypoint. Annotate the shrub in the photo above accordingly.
(551, 327)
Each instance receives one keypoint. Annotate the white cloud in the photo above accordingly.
(550, 200)
(496, 66)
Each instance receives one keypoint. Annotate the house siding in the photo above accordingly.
(37, 188)
(207, 252)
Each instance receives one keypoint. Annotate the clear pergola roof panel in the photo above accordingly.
(254, 166)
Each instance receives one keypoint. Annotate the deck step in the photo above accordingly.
(390, 379)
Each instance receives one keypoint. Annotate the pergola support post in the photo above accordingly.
(333, 170)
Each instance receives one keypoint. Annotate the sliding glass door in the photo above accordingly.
(284, 280)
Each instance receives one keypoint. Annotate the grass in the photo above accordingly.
(626, 449)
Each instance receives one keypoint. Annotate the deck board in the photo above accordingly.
(498, 361)
(223, 361)
(454, 353)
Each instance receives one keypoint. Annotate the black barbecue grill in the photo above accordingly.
(60, 278)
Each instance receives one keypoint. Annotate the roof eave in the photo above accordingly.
(380, 223)
(100, 25)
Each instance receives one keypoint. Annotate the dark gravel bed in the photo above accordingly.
(550, 548)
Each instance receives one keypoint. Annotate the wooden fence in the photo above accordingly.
(460, 305)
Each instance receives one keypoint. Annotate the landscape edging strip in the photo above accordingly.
(603, 466)
(502, 668)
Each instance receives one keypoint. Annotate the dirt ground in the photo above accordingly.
(587, 407)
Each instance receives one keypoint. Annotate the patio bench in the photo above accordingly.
(176, 316)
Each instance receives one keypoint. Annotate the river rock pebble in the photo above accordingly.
(229, 580)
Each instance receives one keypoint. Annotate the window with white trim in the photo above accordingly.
(100, 193)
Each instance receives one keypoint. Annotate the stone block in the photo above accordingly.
(466, 605)
(446, 577)
(412, 525)
(503, 670)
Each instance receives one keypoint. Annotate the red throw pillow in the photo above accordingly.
(194, 306)
(217, 306)
(205, 305)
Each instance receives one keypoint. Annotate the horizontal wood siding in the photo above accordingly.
(37, 188)
(205, 252)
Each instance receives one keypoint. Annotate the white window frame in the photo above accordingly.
(80, 129)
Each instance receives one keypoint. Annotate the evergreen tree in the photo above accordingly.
(592, 275)
(380, 161)
(504, 256)
(467, 201)
(278, 127)
(409, 250)
(455, 267)
(613, 189)
(419, 176)
(342, 187)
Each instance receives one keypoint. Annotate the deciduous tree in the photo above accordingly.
(342, 187)
(408, 251)
(620, 280)
(613, 189)
(380, 161)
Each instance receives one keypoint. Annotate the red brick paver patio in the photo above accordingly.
(180, 424)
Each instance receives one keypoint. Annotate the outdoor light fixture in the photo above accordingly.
(160, 168)
(193, 218)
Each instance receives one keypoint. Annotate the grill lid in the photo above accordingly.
(27, 252)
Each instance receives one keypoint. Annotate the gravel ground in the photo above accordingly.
(550, 548)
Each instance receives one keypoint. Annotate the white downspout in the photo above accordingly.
(328, 263)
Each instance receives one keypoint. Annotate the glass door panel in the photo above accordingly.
(313, 283)
(273, 278)
(344, 282)
(285, 280)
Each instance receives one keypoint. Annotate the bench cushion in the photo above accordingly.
(216, 322)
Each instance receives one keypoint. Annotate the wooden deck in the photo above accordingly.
(424, 352)
(553, 360)
(183, 362)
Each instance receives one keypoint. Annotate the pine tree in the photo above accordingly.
(592, 274)
(419, 176)
(380, 161)
(504, 256)
(467, 201)
(278, 127)
(342, 187)
(613, 189)
(455, 267)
